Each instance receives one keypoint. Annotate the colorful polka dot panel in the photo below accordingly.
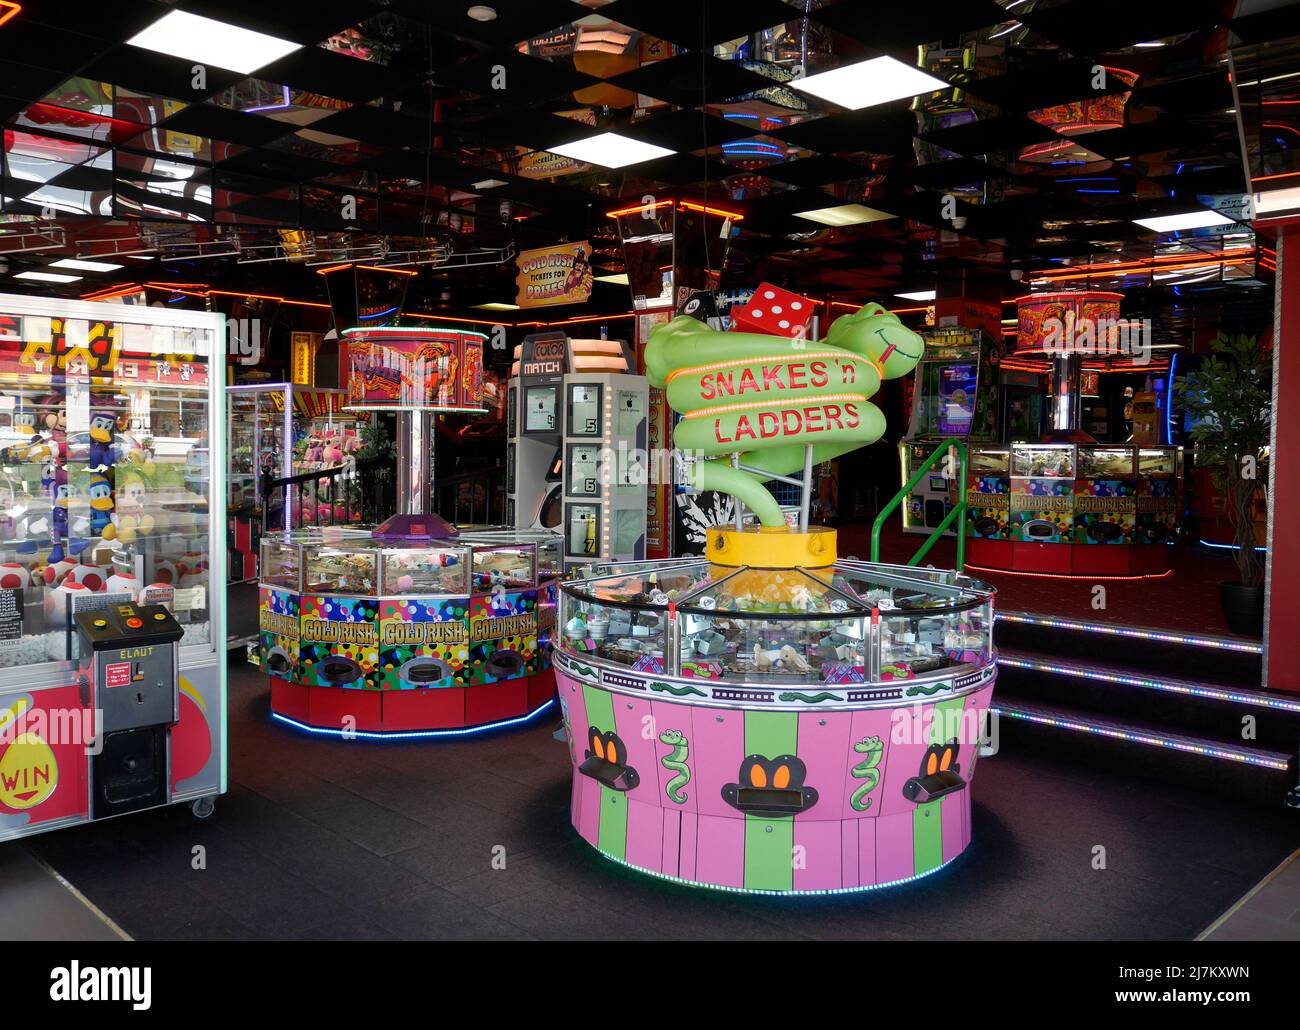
(423, 643)
(340, 642)
(503, 637)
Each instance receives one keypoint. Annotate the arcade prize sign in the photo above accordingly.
(397, 369)
(554, 275)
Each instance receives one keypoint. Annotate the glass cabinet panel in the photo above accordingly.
(281, 564)
(1104, 462)
(627, 635)
(509, 567)
(914, 643)
(341, 569)
(425, 572)
(1047, 460)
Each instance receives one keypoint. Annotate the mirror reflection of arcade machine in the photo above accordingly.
(1061, 503)
(954, 396)
(577, 454)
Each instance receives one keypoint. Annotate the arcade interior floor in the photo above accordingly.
(385, 840)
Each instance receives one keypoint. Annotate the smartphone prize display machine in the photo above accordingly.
(112, 545)
(577, 457)
(800, 704)
(414, 627)
(954, 396)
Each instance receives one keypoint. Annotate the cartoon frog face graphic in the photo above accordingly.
(770, 787)
(606, 761)
(938, 775)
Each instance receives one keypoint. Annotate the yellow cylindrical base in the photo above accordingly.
(771, 547)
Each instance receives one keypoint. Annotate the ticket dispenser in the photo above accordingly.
(129, 677)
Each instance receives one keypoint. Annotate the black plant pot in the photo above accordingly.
(1243, 608)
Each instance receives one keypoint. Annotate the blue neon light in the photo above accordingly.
(1169, 399)
(467, 731)
(1229, 547)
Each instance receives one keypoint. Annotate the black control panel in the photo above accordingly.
(126, 624)
(130, 674)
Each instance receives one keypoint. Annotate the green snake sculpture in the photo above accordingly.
(874, 749)
(766, 397)
(676, 763)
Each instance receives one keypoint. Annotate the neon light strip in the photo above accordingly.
(1212, 693)
(754, 405)
(733, 215)
(1169, 399)
(8, 9)
(1145, 738)
(634, 210)
(1228, 547)
(741, 362)
(1136, 633)
(758, 890)
(412, 331)
(467, 731)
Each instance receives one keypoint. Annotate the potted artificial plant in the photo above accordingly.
(1230, 398)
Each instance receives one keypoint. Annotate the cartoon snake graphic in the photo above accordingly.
(763, 397)
(873, 748)
(676, 762)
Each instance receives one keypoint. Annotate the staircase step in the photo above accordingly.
(1140, 733)
(1175, 704)
(1209, 641)
(1142, 749)
(1122, 675)
(1234, 661)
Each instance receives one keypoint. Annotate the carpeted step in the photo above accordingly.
(1175, 704)
(1140, 748)
(1203, 657)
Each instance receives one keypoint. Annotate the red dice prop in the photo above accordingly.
(774, 312)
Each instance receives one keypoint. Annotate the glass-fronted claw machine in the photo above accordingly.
(112, 621)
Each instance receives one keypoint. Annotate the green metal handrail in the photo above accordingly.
(958, 509)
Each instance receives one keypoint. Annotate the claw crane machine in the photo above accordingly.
(112, 553)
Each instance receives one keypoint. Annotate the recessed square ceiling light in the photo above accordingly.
(489, 184)
(77, 265)
(844, 214)
(919, 295)
(610, 150)
(1189, 220)
(867, 83)
(48, 277)
(208, 41)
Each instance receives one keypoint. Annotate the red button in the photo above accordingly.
(134, 623)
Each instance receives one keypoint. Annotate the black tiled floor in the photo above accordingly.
(331, 840)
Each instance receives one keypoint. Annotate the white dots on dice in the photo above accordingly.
(776, 309)
(784, 324)
(768, 295)
(796, 305)
(755, 313)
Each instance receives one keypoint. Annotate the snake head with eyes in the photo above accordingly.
(876, 333)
